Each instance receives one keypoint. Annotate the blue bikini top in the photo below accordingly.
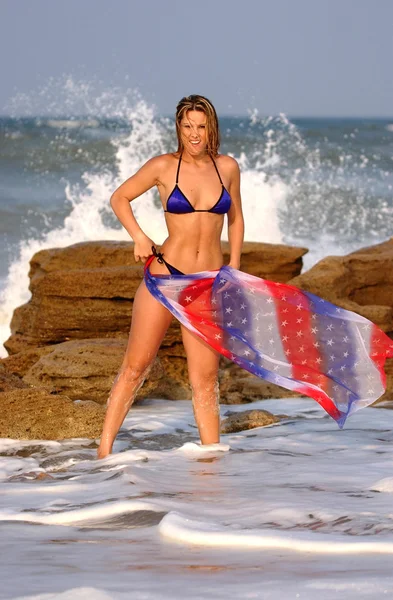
(178, 204)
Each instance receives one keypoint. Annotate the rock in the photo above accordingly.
(20, 363)
(361, 281)
(248, 419)
(86, 291)
(86, 369)
(31, 414)
(9, 381)
(276, 262)
(388, 395)
(238, 386)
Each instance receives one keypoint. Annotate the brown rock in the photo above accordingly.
(361, 281)
(86, 291)
(388, 395)
(86, 369)
(276, 262)
(248, 419)
(30, 414)
(9, 381)
(237, 386)
(20, 363)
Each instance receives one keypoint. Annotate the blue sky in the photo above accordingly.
(301, 57)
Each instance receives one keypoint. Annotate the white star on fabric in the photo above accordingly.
(301, 349)
(244, 321)
(299, 307)
(299, 333)
(285, 338)
(269, 300)
(284, 323)
(314, 329)
(188, 299)
(330, 327)
(330, 342)
(246, 353)
(299, 320)
(228, 310)
(271, 341)
(214, 301)
(242, 306)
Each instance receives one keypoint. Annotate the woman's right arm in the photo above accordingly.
(143, 180)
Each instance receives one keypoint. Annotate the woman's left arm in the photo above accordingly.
(235, 217)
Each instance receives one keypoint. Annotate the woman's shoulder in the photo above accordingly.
(227, 162)
(161, 160)
(157, 165)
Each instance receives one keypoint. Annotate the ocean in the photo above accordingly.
(290, 511)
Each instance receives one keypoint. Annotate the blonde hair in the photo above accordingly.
(196, 102)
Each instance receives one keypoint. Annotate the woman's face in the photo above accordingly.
(193, 131)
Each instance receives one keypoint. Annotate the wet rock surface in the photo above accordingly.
(247, 419)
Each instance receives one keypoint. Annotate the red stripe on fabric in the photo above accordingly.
(294, 322)
(322, 398)
(196, 301)
(381, 348)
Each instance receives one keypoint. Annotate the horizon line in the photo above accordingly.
(221, 115)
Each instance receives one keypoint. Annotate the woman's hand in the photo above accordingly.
(142, 247)
(234, 264)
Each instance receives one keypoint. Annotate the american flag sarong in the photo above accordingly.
(283, 334)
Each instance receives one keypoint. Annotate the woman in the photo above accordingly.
(197, 187)
(276, 331)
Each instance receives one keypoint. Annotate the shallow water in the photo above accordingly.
(287, 511)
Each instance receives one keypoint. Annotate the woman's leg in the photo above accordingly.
(150, 321)
(203, 363)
